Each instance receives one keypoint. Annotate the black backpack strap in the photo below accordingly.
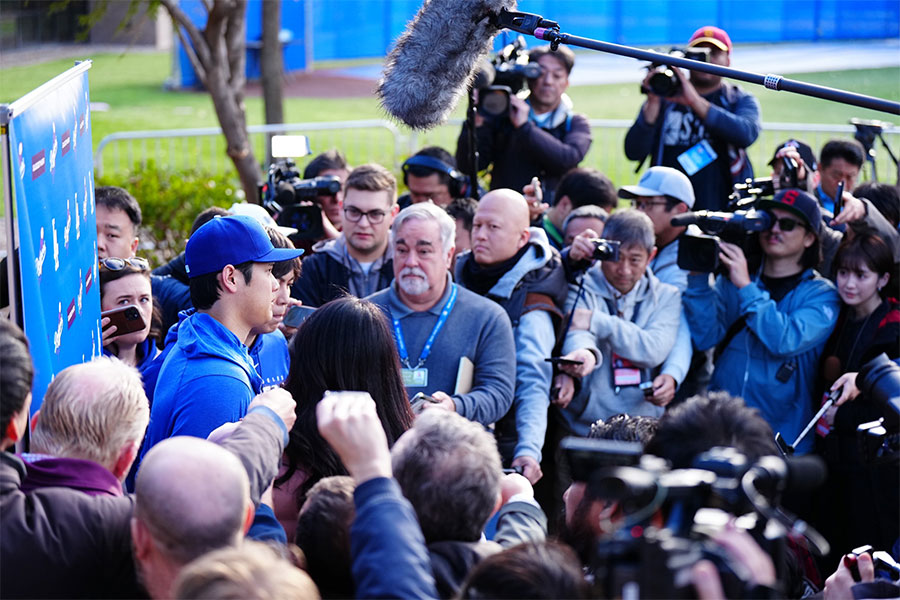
(735, 328)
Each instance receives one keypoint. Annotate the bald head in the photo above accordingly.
(500, 227)
(192, 496)
(94, 411)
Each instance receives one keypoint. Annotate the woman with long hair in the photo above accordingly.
(123, 282)
(858, 504)
(345, 345)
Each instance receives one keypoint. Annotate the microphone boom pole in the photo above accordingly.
(543, 29)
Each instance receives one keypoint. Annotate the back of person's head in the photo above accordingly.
(282, 268)
(191, 497)
(630, 227)
(345, 345)
(208, 214)
(449, 469)
(624, 428)
(850, 151)
(93, 411)
(531, 570)
(586, 186)
(463, 209)
(330, 160)
(884, 196)
(115, 198)
(16, 376)
(373, 178)
(323, 533)
(563, 54)
(704, 422)
(251, 571)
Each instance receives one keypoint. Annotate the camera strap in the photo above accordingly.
(735, 328)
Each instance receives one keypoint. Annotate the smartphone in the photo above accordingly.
(556, 360)
(127, 319)
(296, 315)
(839, 199)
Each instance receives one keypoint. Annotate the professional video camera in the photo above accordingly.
(663, 80)
(700, 251)
(879, 382)
(506, 74)
(293, 201)
(649, 560)
(766, 187)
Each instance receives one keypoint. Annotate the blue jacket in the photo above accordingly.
(534, 333)
(792, 331)
(477, 329)
(206, 380)
(387, 546)
(271, 358)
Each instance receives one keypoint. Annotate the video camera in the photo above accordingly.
(663, 79)
(648, 560)
(700, 251)
(879, 382)
(293, 201)
(507, 73)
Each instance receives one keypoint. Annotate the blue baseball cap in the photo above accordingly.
(231, 240)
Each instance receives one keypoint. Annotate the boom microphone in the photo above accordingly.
(432, 64)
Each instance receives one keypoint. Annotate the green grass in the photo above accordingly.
(132, 85)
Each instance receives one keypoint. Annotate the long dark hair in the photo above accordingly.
(346, 345)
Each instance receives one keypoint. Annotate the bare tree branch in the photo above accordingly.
(196, 36)
(235, 42)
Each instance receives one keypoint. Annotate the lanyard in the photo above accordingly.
(426, 350)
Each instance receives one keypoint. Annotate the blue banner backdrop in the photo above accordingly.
(52, 170)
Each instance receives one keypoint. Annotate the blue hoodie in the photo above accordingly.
(206, 380)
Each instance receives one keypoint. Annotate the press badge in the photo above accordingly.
(624, 372)
(414, 377)
(695, 158)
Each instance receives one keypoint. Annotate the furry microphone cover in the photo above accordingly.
(432, 64)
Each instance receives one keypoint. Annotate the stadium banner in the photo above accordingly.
(51, 167)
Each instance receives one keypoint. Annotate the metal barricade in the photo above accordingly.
(383, 142)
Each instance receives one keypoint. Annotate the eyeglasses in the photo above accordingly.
(375, 216)
(785, 224)
(117, 264)
(646, 204)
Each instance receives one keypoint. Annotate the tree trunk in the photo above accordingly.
(218, 55)
(272, 68)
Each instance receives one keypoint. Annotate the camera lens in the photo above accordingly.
(664, 82)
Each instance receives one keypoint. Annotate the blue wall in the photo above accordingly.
(366, 28)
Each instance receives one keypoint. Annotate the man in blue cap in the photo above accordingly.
(208, 378)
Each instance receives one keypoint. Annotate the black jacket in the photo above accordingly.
(323, 279)
(62, 543)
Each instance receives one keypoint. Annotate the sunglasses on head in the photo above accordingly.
(117, 264)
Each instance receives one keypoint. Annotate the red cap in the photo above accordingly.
(711, 35)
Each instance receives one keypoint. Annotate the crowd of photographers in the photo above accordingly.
(556, 388)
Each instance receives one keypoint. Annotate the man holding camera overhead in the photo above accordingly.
(539, 136)
(698, 124)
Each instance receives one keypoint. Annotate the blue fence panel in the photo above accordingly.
(345, 29)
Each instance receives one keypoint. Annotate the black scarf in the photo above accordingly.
(480, 279)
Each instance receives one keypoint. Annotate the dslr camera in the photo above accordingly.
(293, 201)
(663, 79)
(506, 74)
(699, 251)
